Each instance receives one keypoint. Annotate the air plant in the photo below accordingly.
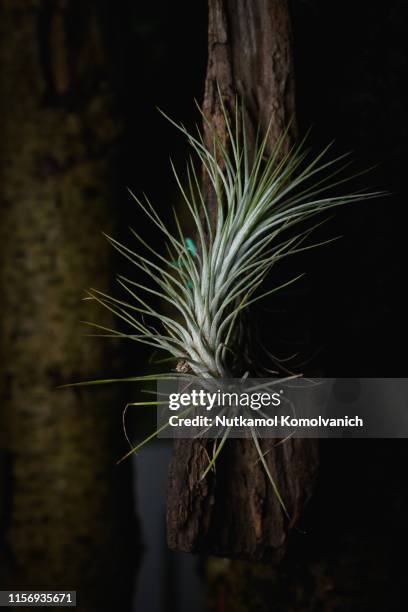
(212, 281)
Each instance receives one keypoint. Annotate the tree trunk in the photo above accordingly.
(235, 513)
(58, 135)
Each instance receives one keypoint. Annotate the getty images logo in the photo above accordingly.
(223, 399)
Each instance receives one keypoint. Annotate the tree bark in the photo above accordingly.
(235, 513)
(65, 509)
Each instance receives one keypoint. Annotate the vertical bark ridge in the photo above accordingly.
(234, 512)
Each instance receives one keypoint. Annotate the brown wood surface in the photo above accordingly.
(235, 513)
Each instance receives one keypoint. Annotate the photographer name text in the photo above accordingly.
(276, 421)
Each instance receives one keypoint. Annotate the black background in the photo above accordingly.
(349, 312)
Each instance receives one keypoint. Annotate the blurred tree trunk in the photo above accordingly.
(235, 513)
(59, 134)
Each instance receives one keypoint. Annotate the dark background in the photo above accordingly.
(350, 310)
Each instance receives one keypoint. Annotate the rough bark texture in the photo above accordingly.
(57, 138)
(250, 55)
(235, 513)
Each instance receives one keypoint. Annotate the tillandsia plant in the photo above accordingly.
(212, 281)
